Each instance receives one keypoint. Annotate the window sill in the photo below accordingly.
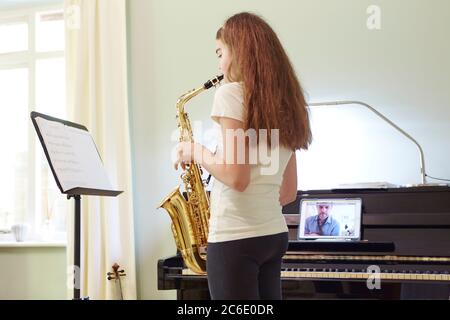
(33, 244)
(58, 240)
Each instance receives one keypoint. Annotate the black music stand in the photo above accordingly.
(76, 192)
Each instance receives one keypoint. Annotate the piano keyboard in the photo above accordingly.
(364, 258)
(298, 273)
(314, 273)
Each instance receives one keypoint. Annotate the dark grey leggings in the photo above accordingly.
(246, 269)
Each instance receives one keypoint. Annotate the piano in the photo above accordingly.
(404, 252)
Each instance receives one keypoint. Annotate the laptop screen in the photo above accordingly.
(330, 219)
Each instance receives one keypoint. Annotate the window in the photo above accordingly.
(32, 77)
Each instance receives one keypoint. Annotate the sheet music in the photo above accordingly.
(74, 156)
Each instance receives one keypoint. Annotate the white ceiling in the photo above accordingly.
(18, 4)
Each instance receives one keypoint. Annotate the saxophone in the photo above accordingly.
(190, 217)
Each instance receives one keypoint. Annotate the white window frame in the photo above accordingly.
(27, 59)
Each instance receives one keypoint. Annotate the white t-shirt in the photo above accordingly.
(256, 211)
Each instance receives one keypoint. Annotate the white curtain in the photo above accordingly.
(96, 66)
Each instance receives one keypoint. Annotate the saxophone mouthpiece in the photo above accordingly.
(213, 82)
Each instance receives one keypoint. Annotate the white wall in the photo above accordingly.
(403, 70)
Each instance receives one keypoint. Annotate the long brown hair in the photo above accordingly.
(272, 93)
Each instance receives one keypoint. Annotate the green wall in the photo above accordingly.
(33, 273)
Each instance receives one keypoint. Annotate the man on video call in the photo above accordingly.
(322, 224)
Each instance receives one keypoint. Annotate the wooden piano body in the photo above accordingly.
(406, 237)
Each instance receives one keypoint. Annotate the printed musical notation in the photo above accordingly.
(74, 156)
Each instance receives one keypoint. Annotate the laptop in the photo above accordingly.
(330, 219)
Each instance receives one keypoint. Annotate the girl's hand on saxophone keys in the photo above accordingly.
(186, 154)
